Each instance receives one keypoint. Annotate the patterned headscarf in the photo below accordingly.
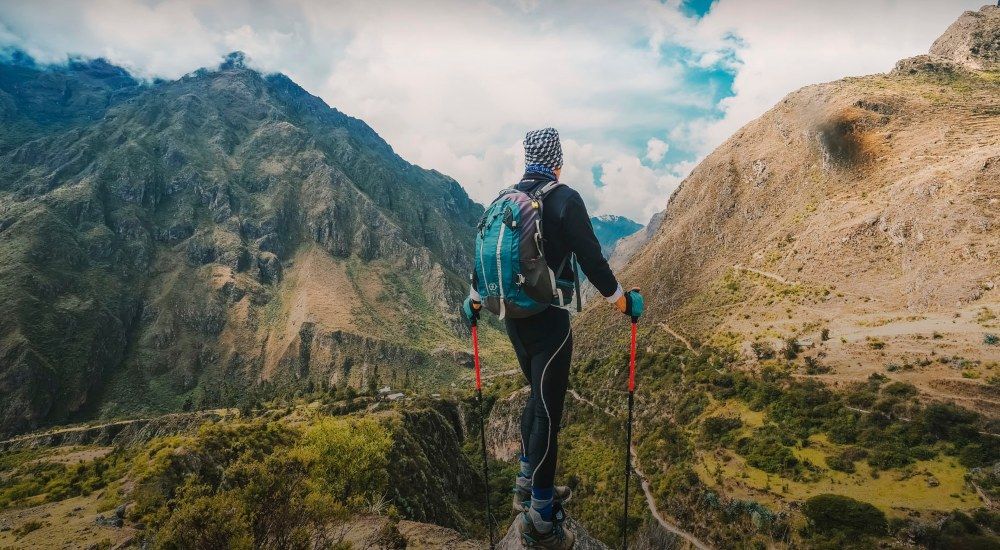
(542, 148)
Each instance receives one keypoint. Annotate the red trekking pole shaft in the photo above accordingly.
(628, 431)
(482, 429)
(475, 358)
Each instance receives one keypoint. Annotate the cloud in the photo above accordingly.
(454, 84)
(778, 46)
(655, 149)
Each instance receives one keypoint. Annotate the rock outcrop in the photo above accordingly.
(973, 41)
(512, 539)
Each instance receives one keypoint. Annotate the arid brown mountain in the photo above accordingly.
(860, 218)
(170, 244)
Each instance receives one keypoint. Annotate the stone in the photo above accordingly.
(269, 266)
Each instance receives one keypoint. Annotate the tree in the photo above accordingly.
(836, 514)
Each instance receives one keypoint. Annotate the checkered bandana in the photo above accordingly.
(542, 147)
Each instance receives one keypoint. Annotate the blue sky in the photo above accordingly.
(640, 90)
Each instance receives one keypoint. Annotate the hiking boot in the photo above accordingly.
(522, 495)
(546, 535)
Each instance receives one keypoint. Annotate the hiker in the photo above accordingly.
(541, 335)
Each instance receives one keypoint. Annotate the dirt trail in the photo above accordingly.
(768, 274)
(115, 423)
(644, 484)
(677, 335)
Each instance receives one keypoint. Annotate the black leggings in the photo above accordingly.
(544, 345)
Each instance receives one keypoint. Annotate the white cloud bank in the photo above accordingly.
(453, 85)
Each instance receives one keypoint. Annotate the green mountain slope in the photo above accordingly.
(165, 245)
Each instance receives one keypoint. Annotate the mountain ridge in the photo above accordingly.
(822, 283)
(610, 229)
(163, 230)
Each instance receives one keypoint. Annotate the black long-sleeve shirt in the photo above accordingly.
(566, 227)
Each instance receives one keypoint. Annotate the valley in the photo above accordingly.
(230, 319)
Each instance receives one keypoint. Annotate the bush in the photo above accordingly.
(762, 350)
(844, 460)
(946, 421)
(764, 450)
(837, 514)
(792, 348)
(217, 521)
(350, 455)
(718, 428)
(958, 530)
(813, 366)
(888, 455)
(991, 339)
(28, 527)
(690, 405)
(901, 390)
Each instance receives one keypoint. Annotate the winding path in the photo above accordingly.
(644, 484)
(768, 274)
(675, 334)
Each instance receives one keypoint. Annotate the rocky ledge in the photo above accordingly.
(512, 540)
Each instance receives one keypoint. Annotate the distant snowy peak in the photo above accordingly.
(610, 229)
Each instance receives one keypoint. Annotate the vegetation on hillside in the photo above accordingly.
(735, 449)
(293, 478)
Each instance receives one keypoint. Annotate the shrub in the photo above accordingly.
(991, 339)
(718, 428)
(888, 455)
(875, 343)
(947, 421)
(690, 405)
(762, 350)
(837, 514)
(843, 428)
(844, 460)
(901, 390)
(764, 450)
(217, 521)
(792, 348)
(824, 334)
(958, 530)
(28, 527)
(813, 366)
(350, 455)
(837, 462)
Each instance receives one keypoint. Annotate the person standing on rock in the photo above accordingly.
(541, 333)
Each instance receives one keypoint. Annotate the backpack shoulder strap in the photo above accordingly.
(546, 189)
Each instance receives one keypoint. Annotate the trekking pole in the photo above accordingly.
(482, 429)
(628, 431)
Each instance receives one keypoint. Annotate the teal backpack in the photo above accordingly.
(512, 276)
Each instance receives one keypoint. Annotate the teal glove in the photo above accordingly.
(634, 304)
(470, 308)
